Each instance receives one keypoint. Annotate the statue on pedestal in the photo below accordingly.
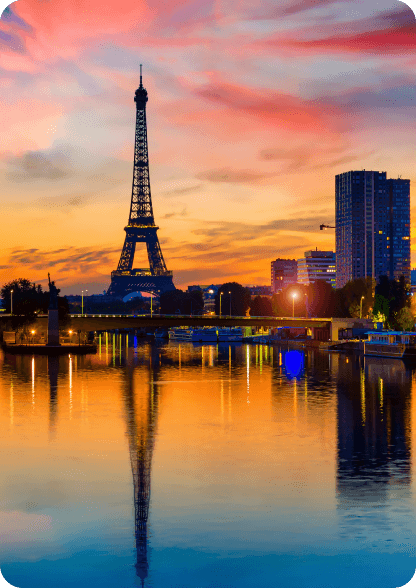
(53, 295)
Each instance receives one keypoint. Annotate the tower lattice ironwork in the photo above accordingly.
(141, 227)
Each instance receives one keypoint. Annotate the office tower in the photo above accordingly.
(399, 229)
(283, 272)
(369, 211)
(317, 265)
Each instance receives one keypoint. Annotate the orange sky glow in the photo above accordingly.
(253, 109)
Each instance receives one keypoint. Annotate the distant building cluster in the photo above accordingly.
(372, 235)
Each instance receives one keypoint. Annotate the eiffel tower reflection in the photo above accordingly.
(141, 415)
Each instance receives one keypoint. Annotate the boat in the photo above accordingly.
(230, 335)
(161, 333)
(204, 335)
(180, 334)
(389, 344)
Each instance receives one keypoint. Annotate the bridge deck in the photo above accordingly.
(108, 322)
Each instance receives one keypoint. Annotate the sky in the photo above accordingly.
(253, 108)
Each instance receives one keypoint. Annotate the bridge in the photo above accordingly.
(109, 322)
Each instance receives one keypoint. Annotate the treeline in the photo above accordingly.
(29, 300)
(388, 301)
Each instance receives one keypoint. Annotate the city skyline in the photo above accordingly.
(248, 124)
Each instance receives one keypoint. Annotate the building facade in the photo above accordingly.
(399, 261)
(372, 226)
(317, 265)
(283, 273)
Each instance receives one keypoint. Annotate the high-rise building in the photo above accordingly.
(399, 261)
(372, 226)
(283, 272)
(317, 265)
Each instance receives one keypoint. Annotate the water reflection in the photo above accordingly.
(53, 369)
(316, 454)
(373, 425)
(141, 407)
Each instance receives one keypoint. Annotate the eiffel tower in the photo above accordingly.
(141, 227)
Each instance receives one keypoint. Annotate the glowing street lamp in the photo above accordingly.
(220, 312)
(230, 307)
(11, 301)
(360, 314)
(294, 296)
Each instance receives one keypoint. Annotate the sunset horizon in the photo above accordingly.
(248, 125)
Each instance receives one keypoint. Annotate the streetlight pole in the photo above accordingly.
(11, 302)
(151, 304)
(293, 300)
(221, 294)
(360, 314)
(230, 306)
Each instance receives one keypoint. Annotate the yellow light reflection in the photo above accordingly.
(211, 356)
(260, 359)
(295, 400)
(11, 402)
(70, 387)
(99, 345)
(33, 381)
(381, 393)
(247, 372)
(222, 401)
(230, 401)
(363, 406)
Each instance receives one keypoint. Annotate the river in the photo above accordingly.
(174, 465)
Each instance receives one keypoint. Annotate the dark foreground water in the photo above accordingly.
(185, 466)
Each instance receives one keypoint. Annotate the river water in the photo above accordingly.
(175, 465)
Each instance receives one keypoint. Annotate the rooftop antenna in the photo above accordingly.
(140, 75)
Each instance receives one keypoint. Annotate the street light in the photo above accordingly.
(230, 306)
(82, 302)
(151, 304)
(33, 332)
(221, 294)
(11, 302)
(360, 314)
(294, 296)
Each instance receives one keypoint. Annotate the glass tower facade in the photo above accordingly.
(372, 226)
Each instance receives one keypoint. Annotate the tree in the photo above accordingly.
(185, 302)
(347, 300)
(396, 293)
(261, 306)
(405, 319)
(321, 299)
(282, 302)
(238, 301)
(381, 308)
(29, 300)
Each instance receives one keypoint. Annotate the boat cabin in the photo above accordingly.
(391, 337)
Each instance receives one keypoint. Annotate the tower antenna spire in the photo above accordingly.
(140, 75)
